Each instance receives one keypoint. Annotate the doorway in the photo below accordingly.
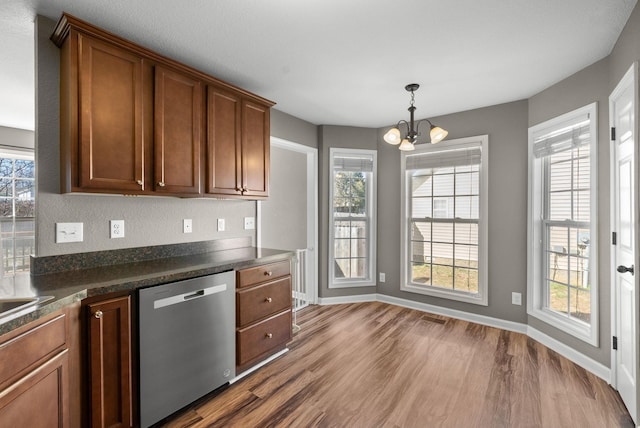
(623, 110)
(288, 220)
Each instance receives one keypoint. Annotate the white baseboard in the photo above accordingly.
(257, 366)
(569, 353)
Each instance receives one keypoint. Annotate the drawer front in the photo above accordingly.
(32, 347)
(258, 274)
(258, 302)
(264, 336)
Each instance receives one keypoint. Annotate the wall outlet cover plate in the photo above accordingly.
(116, 229)
(69, 232)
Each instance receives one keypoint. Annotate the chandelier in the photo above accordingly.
(393, 136)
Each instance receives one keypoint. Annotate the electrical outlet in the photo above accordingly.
(249, 223)
(68, 232)
(116, 228)
(187, 225)
(382, 276)
(220, 225)
(516, 298)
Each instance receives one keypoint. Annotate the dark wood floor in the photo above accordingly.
(378, 365)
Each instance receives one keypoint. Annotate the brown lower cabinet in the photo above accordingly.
(109, 359)
(263, 312)
(39, 386)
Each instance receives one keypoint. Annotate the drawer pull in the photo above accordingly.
(98, 314)
(139, 182)
(268, 335)
(268, 273)
(268, 300)
(161, 184)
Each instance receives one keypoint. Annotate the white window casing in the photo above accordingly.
(562, 259)
(444, 220)
(352, 217)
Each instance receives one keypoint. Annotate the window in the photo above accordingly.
(562, 223)
(444, 220)
(17, 210)
(352, 216)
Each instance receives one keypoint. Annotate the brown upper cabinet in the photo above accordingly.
(136, 122)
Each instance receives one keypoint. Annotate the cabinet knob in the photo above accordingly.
(268, 300)
(268, 335)
(268, 273)
(98, 314)
(161, 183)
(244, 189)
(139, 182)
(238, 189)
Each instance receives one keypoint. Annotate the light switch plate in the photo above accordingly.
(516, 298)
(187, 225)
(249, 223)
(220, 225)
(116, 228)
(68, 232)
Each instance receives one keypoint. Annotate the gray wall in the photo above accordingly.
(16, 137)
(506, 125)
(292, 129)
(344, 137)
(284, 214)
(585, 87)
(148, 220)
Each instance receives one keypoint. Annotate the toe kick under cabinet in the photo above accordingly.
(263, 312)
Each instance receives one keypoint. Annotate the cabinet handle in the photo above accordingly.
(268, 335)
(244, 189)
(139, 182)
(238, 189)
(268, 300)
(268, 273)
(98, 314)
(161, 183)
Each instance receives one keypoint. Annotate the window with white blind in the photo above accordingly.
(444, 212)
(562, 288)
(352, 218)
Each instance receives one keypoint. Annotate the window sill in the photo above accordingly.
(576, 329)
(352, 284)
(446, 294)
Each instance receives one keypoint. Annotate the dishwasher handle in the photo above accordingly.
(190, 296)
(194, 295)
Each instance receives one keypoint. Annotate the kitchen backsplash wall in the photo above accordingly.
(148, 220)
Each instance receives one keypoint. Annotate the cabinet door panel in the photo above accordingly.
(40, 399)
(255, 149)
(110, 362)
(110, 123)
(178, 124)
(223, 143)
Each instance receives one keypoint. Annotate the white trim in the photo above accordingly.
(598, 369)
(371, 199)
(259, 365)
(312, 210)
(482, 298)
(588, 333)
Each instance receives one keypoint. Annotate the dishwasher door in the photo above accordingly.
(187, 342)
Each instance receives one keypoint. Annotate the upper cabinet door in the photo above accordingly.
(224, 175)
(178, 132)
(110, 117)
(255, 149)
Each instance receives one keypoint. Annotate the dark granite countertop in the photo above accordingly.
(68, 287)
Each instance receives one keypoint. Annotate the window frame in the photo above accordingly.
(482, 297)
(537, 302)
(370, 218)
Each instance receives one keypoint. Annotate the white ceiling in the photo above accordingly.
(340, 62)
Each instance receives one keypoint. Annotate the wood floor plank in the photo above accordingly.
(379, 365)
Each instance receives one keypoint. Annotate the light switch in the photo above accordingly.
(68, 232)
(187, 225)
(220, 225)
(249, 223)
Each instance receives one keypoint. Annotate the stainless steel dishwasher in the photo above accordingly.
(187, 342)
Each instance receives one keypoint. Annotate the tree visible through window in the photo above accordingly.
(17, 212)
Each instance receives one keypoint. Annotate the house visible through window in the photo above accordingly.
(352, 216)
(562, 223)
(17, 210)
(444, 227)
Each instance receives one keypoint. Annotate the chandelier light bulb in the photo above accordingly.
(437, 134)
(392, 136)
(406, 146)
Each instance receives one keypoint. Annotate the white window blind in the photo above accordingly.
(560, 140)
(448, 158)
(361, 163)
